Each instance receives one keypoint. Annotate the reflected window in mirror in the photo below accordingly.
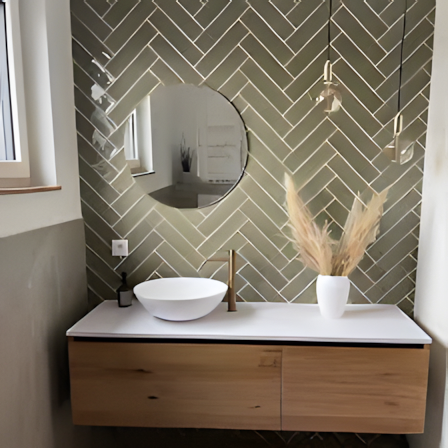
(138, 140)
(198, 144)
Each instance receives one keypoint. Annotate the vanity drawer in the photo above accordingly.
(175, 385)
(354, 389)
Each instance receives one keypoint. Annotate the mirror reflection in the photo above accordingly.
(189, 142)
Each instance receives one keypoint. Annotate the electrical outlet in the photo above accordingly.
(120, 248)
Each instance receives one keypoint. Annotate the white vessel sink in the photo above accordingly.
(180, 298)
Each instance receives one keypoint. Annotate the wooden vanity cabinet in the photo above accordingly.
(355, 389)
(243, 386)
(176, 385)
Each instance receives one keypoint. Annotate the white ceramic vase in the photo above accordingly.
(332, 295)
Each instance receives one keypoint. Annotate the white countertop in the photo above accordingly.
(384, 324)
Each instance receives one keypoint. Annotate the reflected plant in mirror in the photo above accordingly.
(210, 158)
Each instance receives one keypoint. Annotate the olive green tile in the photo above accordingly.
(263, 244)
(175, 61)
(267, 36)
(175, 36)
(128, 199)
(139, 234)
(133, 21)
(100, 268)
(261, 286)
(356, 296)
(273, 209)
(222, 234)
(263, 266)
(266, 62)
(367, 17)
(208, 11)
(263, 177)
(308, 27)
(233, 86)
(396, 294)
(271, 15)
(88, 40)
(97, 224)
(417, 11)
(309, 135)
(145, 85)
(145, 270)
(349, 176)
(322, 178)
(118, 12)
(266, 158)
(262, 106)
(360, 87)
(123, 181)
(91, 20)
(97, 182)
(354, 157)
(180, 220)
(132, 217)
(308, 295)
(95, 201)
(131, 49)
(164, 73)
(400, 208)
(293, 268)
(299, 284)
(132, 74)
(221, 50)
(226, 68)
(180, 17)
(356, 31)
(100, 288)
(265, 133)
(153, 218)
(414, 87)
(165, 271)
(341, 192)
(175, 261)
(249, 294)
(256, 215)
(407, 305)
(400, 250)
(169, 233)
(138, 254)
(310, 166)
(266, 85)
(303, 84)
(100, 247)
(235, 242)
(403, 227)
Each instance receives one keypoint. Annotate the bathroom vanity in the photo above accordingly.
(269, 366)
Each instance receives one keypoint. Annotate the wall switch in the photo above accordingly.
(120, 248)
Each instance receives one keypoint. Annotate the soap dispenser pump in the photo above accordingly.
(124, 293)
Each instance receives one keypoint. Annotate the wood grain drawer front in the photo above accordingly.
(175, 385)
(351, 389)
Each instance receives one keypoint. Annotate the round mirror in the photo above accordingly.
(186, 145)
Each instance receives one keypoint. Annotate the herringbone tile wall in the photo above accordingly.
(267, 58)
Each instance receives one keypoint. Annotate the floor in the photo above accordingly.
(215, 438)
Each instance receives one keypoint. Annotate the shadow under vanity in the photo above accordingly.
(270, 366)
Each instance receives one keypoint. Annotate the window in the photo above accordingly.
(14, 164)
(138, 139)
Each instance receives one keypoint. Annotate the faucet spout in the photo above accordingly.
(231, 293)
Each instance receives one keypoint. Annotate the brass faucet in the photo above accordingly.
(231, 294)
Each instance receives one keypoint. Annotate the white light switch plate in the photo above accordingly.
(120, 248)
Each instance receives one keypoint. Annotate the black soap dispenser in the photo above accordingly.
(124, 293)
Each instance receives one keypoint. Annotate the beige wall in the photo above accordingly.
(42, 256)
(431, 304)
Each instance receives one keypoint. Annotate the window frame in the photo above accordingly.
(15, 173)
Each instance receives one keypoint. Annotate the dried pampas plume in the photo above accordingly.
(317, 250)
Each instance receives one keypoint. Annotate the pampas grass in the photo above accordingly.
(317, 250)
